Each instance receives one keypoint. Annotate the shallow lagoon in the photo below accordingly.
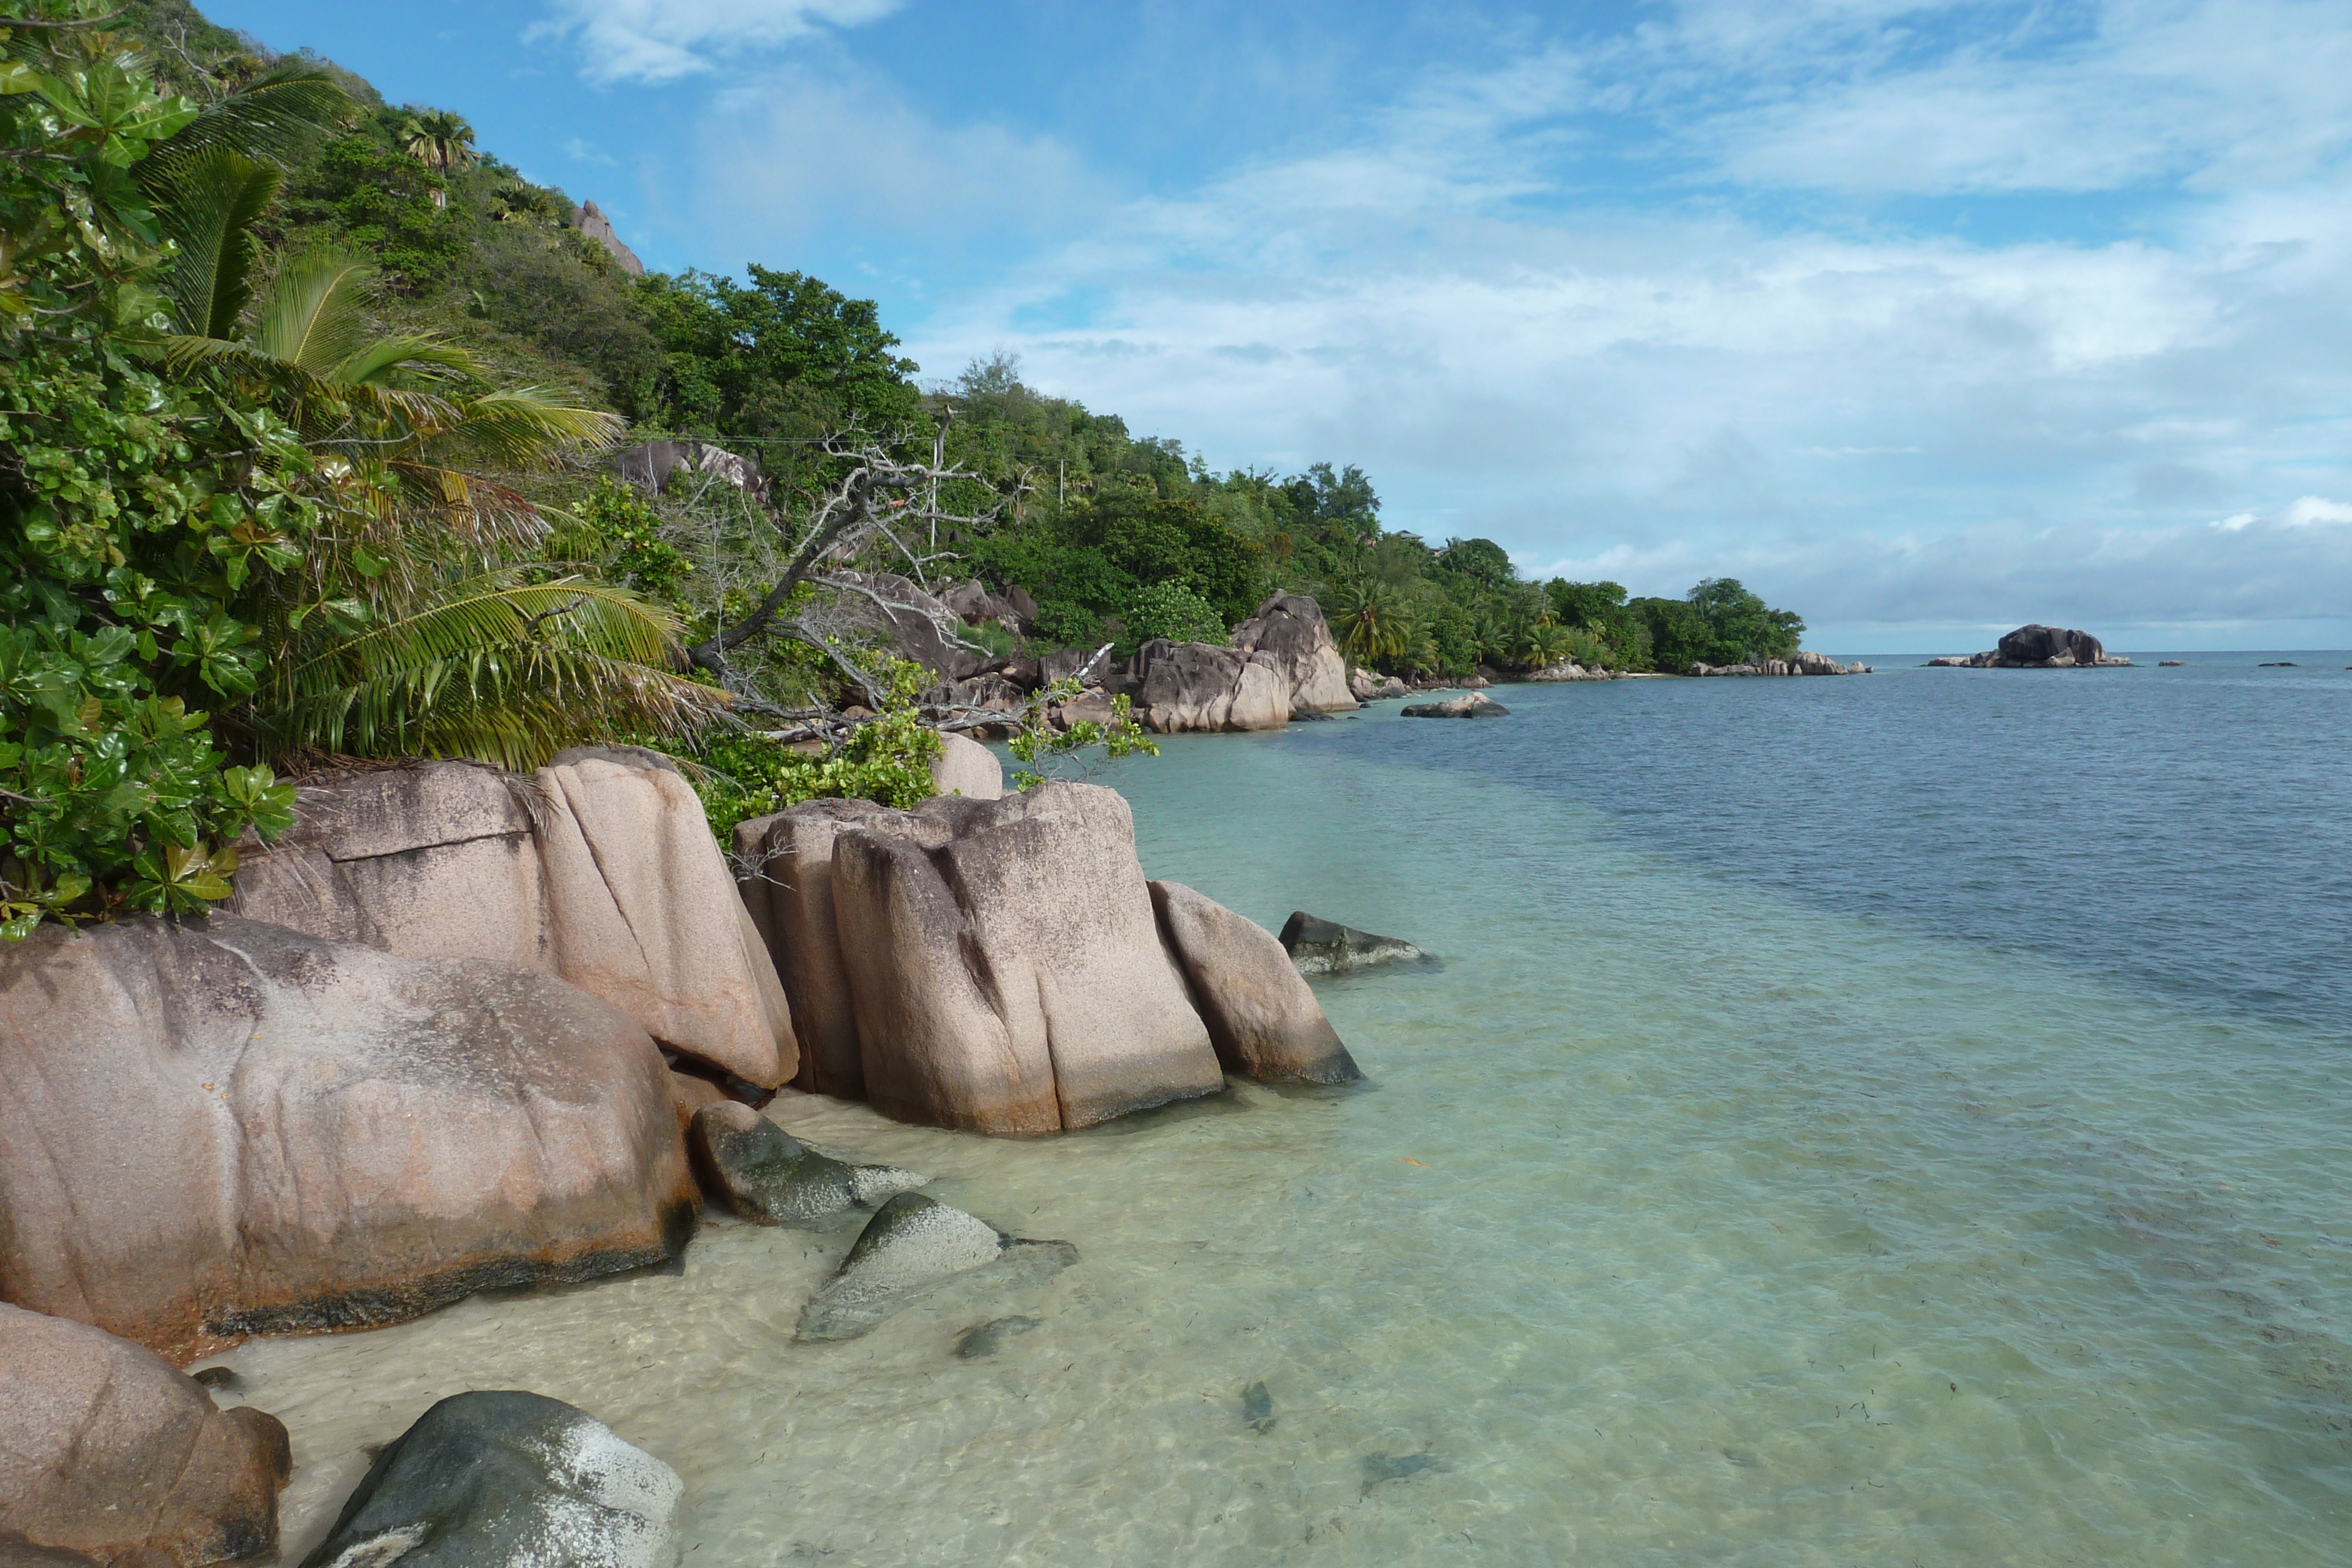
(1706, 1205)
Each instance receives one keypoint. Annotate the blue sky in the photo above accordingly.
(1922, 320)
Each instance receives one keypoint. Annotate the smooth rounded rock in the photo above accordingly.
(914, 1244)
(764, 1174)
(1321, 947)
(1263, 1017)
(508, 1480)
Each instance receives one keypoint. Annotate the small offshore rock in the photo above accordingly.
(988, 1338)
(1320, 946)
(764, 1174)
(1257, 1408)
(508, 1480)
(1469, 704)
(913, 1245)
(2170, 664)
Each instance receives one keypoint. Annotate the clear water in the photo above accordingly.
(1890, 1120)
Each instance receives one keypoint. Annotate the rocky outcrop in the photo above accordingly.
(1005, 965)
(1365, 686)
(2036, 647)
(1002, 965)
(1570, 671)
(591, 221)
(1264, 1020)
(764, 1174)
(1290, 628)
(1797, 664)
(1191, 686)
(599, 868)
(977, 606)
(1321, 947)
(920, 626)
(110, 1451)
(966, 768)
(914, 1245)
(649, 465)
(508, 1479)
(1469, 704)
(224, 1128)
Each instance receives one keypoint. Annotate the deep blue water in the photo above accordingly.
(2187, 832)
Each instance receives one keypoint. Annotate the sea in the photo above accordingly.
(1902, 1119)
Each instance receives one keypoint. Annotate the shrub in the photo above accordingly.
(1172, 610)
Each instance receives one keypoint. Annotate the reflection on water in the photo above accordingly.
(1682, 1221)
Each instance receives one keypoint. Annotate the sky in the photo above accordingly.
(1921, 320)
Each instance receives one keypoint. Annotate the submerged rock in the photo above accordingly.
(1321, 947)
(219, 1128)
(508, 1480)
(1469, 704)
(764, 1172)
(1257, 1409)
(1379, 1467)
(914, 1245)
(988, 1338)
(110, 1451)
(1262, 1019)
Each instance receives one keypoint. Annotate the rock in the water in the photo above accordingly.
(107, 1450)
(1005, 965)
(988, 1338)
(1191, 686)
(1365, 686)
(784, 872)
(2034, 646)
(1320, 946)
(1469, 704)
(2170, 664)
(1257, 1408)
(913, 1245)
(1262, 1019)
(508, 1480)
(222, 1128)
(764, 1172)
(1290, 628)
(599, 868)
(966, 768)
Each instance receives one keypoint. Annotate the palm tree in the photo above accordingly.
(416, 616)
(441, 141)
(1366, 615)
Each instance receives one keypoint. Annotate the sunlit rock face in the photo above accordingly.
(222, 1128)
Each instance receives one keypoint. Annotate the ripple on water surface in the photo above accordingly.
(1687, 1217)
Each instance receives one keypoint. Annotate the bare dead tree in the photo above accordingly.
(828, 577)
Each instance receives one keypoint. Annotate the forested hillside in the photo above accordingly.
(1119, 537)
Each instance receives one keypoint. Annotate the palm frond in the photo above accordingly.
(495, 668)
(525, 427)
(208, 202)
(276, 117)
(314, 318)
(406, 352)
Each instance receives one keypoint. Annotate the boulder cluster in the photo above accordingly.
(1798, 663)
(2035, 647)
(463, 1029)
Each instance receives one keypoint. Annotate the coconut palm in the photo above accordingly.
(415, 617)
(441, 141)
(1365, 614)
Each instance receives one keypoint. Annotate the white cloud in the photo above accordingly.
(662, 40)
(2314, 511)
(2235, 523)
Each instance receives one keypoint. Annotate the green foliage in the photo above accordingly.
(369, 196)
(1718, 623)
(131, 509)
(1174, 610)
(887, 758)
(626, 532)
(1047, 752)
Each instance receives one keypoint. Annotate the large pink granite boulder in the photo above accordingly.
(784, 868)
(1290, 629)
(1264, 1019)
(600, 868)
(1005, 965)
(1187, 686)
(224, 1128)
(110, 1451)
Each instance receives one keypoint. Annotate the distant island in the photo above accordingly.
(2034, 646)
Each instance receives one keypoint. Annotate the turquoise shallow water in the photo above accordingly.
(1702, 1206)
